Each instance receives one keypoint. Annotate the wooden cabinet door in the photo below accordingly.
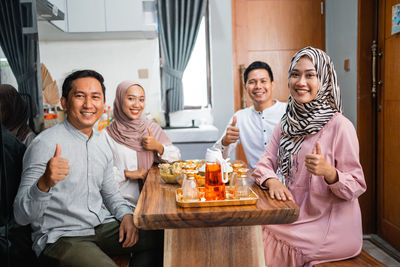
(389, 128)
(272, 31)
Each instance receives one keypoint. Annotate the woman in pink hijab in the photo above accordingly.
(135, 141)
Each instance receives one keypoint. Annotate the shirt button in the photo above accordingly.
(264, 131)
(262, 117)
(265, 143)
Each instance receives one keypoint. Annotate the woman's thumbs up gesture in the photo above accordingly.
(150, 143)
(317, 165)
(56, 170)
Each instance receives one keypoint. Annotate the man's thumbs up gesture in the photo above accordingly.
(150, 143)
(232, 133)
(56, 170)
(317, 165)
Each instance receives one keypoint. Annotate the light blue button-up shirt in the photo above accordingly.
(74, 206)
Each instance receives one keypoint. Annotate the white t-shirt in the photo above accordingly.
(255, 130)
(125, 158)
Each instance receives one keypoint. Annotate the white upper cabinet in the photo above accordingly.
(123, 15)
(86, 16)
(132, 18)
(62, 6)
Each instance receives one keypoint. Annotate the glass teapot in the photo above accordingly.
(215, 179)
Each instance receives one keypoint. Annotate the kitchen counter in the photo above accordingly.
(193, 142)
(204, 133)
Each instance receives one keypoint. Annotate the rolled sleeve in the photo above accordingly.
(171, 153)
(351, 183)
(112, 197)
(31, 203)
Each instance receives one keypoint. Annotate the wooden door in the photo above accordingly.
(272, 31)
(366, 110)
(389, 128)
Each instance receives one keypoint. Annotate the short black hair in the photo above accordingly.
(258, 65)
(67, 85)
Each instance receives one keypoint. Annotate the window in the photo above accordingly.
(196, 80)
(6, 74)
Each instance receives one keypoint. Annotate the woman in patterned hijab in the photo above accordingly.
(302, 119)
(313, 160)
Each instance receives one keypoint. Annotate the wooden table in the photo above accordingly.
(213, 236)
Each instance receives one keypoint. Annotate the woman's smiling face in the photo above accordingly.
(303, 81)
(134, 102)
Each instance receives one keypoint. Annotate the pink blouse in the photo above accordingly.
(329, 225)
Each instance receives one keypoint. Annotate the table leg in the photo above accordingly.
(215, 246)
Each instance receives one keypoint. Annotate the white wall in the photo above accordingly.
(341, 44)
(221, 62)
(116, 60)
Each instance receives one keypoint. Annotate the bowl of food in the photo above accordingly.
(171, 173)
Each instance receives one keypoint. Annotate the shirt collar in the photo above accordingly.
(75, 132)
(261, 112)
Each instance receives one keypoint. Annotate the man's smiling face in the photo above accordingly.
(85, 104)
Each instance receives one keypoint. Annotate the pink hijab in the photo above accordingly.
(129, 132)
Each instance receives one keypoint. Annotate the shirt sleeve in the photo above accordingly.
(171, 153)
(351, 183)
(112, 197)
(266, 166)
(119, 175)
(31, 203)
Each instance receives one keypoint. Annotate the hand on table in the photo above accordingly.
(232, 133)
(277, 190)
(56, 170)
(128, 233)
(150, 143)
(317, 165)
(134, 175)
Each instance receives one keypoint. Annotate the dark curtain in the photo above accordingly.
(20, 50)
(179, 22)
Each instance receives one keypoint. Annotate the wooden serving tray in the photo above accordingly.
(250, 200)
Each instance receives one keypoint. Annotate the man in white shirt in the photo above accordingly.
(253, 126)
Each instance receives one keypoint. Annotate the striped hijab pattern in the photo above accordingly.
(301, 120)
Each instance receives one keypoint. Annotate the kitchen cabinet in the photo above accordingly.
(125, 15)
(133, 16)
(86, 16)
(62, 6)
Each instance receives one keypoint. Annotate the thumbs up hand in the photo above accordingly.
(232, 133)
(56, 170)
(317, 165)
(150, 143)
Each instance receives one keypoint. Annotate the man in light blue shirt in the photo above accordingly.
(67, 176)
(253, 126)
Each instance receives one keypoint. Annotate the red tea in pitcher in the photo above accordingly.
(214, 187)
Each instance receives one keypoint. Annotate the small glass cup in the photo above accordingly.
(233, 184)
(189, 186)
(243, 189)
